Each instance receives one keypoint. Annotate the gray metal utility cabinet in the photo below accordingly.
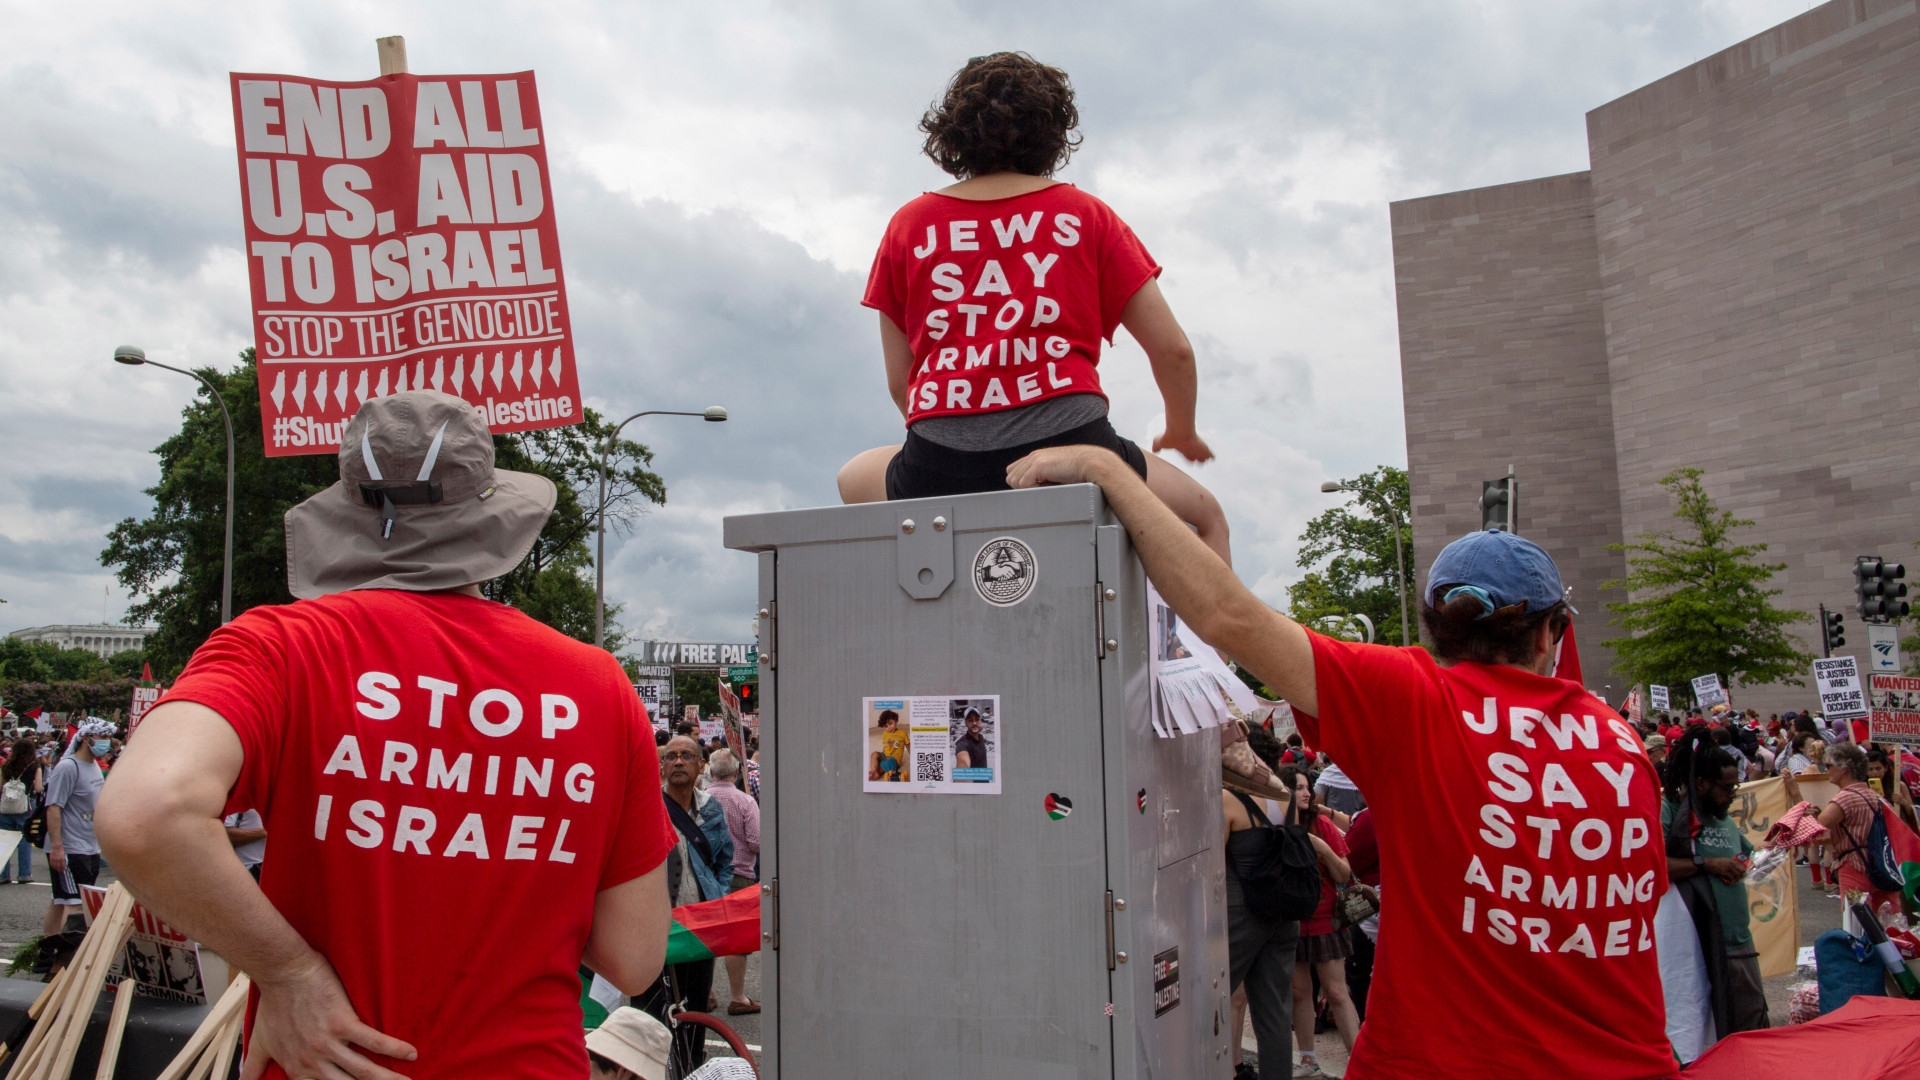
(969, 936)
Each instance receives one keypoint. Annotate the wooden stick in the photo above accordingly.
(229, 1046)
(393, 54)
(92, 963)
(100, 949)
(208, 1063)
(232, 1002)
(39, 1005)
(53, 987)
(54, 1004)
(218, 1056)
(116, 1030)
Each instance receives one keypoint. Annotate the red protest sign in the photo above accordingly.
(400, 234)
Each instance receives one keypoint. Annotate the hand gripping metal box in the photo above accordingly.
(1055, 911)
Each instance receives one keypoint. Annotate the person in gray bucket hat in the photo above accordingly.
(451, 788)
(412, 514)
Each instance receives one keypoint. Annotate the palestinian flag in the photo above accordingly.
(729, 926)
(1906, 852)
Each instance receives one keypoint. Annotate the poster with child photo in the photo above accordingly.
(931, 745)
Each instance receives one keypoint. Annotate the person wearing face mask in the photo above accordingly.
(73, 855)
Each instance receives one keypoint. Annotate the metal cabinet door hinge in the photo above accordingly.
(1100, 620)
(770, 931)
(771, 613)
(1110, 954)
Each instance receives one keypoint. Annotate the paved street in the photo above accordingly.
(23, 906)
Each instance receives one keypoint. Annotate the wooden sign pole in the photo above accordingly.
(393, 54)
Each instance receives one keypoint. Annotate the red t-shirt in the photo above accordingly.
(1521, 864)
(1363, 849)
(1321, 921)
(1005, 301)
(446, 784)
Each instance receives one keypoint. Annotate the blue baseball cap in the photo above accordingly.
(1499, 568)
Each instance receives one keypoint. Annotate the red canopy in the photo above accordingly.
(1868, 1038)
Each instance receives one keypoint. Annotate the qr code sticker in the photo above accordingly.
(931, 767)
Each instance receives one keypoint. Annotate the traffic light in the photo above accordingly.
(1498, 510)
(1832, 631)
(1878, 590)
(749, 696)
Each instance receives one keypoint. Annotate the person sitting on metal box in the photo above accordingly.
(994, 296)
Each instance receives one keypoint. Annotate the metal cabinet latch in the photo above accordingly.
(925, 556)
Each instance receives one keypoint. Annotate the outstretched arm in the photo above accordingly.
(1188, 574)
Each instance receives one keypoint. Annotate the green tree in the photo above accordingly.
(1360, 575)
(554, 584)
(1699, 602)
(171, 561)
(44, 661)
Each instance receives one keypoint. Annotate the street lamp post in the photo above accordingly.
(713, 414)
(135, 357)
(1399, 559)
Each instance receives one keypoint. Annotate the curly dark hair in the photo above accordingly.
(1003, 113)
(1458, 631)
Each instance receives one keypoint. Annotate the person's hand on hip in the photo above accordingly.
(306, 1023)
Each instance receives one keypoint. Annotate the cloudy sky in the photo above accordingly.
(721, 174)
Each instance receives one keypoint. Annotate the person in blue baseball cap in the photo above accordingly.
(1521, 857)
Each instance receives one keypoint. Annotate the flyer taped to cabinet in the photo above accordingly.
(931, 745)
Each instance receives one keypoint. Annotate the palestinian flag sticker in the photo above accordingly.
(1140, 800)
(1059, 806)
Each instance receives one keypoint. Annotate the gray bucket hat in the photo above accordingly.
(419, 505)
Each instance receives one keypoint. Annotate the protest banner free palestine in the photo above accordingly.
(399, 235)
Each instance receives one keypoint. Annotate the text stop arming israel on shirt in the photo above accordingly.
(400, 235)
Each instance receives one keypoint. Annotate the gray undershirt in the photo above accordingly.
(1012, 427)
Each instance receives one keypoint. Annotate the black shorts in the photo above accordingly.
(81, 870)
(924, 469)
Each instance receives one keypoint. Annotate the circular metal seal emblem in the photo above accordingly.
(1004, 572)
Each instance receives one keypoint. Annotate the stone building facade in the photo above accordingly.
(101, 639)
(1734, 285)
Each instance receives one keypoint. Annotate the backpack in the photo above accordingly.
(1278, 870)
(14, 798)
(1876, 853)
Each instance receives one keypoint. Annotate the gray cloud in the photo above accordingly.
(721, 176)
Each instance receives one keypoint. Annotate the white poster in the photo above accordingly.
(1838, 682)
(1883, 647)
(937, 745)
(1657, 697)
(1192, 688)
(1708, 692)
(163, 962)
(650, 694)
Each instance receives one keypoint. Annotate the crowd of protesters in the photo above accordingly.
(712, 800)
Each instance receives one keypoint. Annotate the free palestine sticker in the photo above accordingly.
(1059, 806)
